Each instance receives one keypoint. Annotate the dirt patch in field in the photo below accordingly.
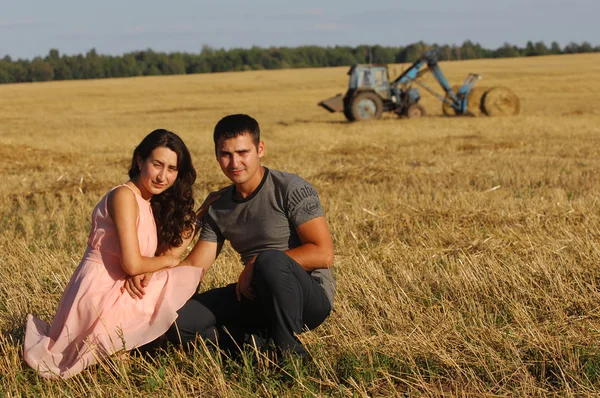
(22, 158)
(365, 175)
(356, 151)
(182, 109)
(174, 110)
(581, 112)
(490, 146)
(60, 188)
(468, 136)
(82, 186)
(419, 163)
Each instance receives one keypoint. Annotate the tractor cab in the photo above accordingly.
(370, 77)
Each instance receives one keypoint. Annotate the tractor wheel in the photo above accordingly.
(447, 109)
(415, 111)
(348, 114)
(366, 106)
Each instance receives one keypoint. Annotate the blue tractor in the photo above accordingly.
(370, 92)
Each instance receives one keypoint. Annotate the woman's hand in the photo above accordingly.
(134, 285)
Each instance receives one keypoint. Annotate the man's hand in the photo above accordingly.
(244, 285)
(135, 284)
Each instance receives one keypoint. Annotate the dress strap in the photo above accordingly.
(125, 185)
(137, 194)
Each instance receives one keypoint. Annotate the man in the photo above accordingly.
(274, 220)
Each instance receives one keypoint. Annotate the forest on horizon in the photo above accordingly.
(92, 65)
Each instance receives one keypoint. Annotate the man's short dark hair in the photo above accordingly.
(232, 126)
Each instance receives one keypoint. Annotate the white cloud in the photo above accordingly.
(331, 27)
(136, 30)
(313, 11)
(297, 14)
(9, 23)
(183, 28)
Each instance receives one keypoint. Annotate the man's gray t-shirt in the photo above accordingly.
(267, 219)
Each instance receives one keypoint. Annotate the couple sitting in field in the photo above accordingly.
(131, 288)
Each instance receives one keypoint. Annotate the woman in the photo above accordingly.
(150, 214)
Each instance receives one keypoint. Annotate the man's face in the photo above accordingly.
(239, 158)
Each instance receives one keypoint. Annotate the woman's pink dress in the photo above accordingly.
(94, 318)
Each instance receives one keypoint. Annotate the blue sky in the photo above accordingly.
(31, 28)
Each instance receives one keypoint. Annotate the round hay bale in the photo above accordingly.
(446, 108)
(474, 100)
(500, 101)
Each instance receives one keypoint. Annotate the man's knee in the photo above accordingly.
(269, 265)
(194, 319)
(271, 257)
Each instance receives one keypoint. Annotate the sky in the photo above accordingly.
(31, 28)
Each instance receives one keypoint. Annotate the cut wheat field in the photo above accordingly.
(467, 249)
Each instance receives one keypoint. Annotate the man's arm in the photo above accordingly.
(210, 199)
(203, 255)
(179, 250)
(316, 250)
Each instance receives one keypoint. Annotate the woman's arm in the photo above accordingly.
(123, 208)
(202, 256)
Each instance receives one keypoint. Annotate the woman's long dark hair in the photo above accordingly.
(174, 208)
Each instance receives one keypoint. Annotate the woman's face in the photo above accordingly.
(157, 172)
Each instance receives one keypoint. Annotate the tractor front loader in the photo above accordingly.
(370, 93)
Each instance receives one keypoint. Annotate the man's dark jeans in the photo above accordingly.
(287, 302)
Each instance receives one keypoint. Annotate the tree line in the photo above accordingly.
(148, 63)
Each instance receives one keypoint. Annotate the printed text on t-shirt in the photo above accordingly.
(299, 194)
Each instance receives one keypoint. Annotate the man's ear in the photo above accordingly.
(261, 149)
